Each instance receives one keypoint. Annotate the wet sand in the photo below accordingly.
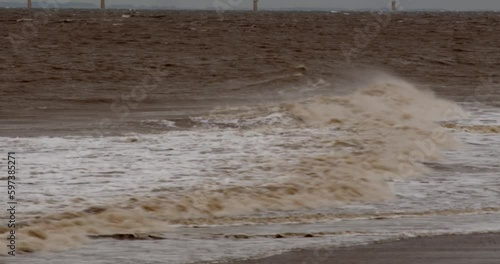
(449, 249)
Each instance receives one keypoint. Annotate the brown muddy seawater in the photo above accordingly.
(246, 135)
(66, 70)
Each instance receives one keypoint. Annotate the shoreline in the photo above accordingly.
(443, 249)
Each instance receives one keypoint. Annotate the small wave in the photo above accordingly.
(163, 123)
(483, 129)
(275, 118)
(89, 100)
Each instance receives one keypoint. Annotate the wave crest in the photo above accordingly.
(383, 131)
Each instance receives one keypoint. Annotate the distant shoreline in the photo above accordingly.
(262, 10)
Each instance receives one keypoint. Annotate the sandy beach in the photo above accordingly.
(449, 249)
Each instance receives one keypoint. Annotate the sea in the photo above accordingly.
(214, 136)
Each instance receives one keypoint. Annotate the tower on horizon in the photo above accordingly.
(394, 6)
(29, 4)
(255, 5)
(103, 4)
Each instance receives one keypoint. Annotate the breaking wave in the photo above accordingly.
(382, 131)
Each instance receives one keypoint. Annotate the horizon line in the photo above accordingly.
(119, 7)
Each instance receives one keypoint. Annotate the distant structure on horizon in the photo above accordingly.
(103, 4)
(255, 5)
(29, 4)
(394, 6)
